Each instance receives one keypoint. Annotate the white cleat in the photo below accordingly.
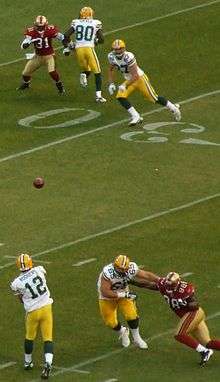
(124, 337)
(100, 99)
(177, 113)
(28, 365)
(136, 120)
(205, 355)
(83, 80)
(141, 344)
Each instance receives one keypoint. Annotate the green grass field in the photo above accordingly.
(151, 192)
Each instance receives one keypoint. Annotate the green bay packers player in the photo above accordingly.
(135, 79)
(31, 288)
(88, 33)
(114, 295)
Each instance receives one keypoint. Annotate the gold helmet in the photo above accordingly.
(172, 281)
(40, 23)
(118, 47)
(121, 263)
(24, 262)
(86, 13)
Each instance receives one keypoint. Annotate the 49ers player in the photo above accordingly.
(41, 35)
(191, 330)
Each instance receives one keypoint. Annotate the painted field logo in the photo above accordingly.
(161, 136)
(90, 114)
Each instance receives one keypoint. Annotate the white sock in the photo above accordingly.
(28, 358)
(49, 358)
(98, 93)
(133, 111)
(135, 334)
(170, 106)
(200, 348)
(121, 330)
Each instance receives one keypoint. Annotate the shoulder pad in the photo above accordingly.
(129, 58)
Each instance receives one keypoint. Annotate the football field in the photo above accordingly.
(151, 192)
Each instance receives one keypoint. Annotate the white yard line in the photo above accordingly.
(91, 131)
(120, 227)
(84, 262)
(117, 228)
(7, 364)
(76, 370)
(186, 274)
(112, 353)
(163, 17)
(135, 25)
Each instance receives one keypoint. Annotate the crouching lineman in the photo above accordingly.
(31, 288)
(41, 35)
(114, 294)
(135, 79)
(191, 330)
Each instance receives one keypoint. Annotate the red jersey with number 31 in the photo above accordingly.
(177, 299)
(43, 46)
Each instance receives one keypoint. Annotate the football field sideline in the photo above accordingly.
(90, 361)
(185, 10)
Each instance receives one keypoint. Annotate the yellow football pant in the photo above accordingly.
(37, 61)
(88, 59)
(42, 318)
(143, 85)
(194, 323)
(109, 309)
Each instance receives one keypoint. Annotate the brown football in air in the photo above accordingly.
(38, 182)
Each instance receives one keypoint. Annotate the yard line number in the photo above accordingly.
(156, 130)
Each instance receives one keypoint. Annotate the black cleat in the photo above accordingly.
(60, 87)
(205, 355)
(23, 86)
(46, 371)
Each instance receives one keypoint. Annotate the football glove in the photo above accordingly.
(111, 88)
(122, 88)
(66, 51)
(130, 295)
(126, 294)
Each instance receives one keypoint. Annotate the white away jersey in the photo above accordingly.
(123, 63)
(85, 31)
(119, 281)
(32, 286)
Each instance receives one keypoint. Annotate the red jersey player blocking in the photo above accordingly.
(41, 35)
(191, 330)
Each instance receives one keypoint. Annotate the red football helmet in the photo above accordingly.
(172, 281)
(40, 23)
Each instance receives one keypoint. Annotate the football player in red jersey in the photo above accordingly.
(191, 330)
(41, 35)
